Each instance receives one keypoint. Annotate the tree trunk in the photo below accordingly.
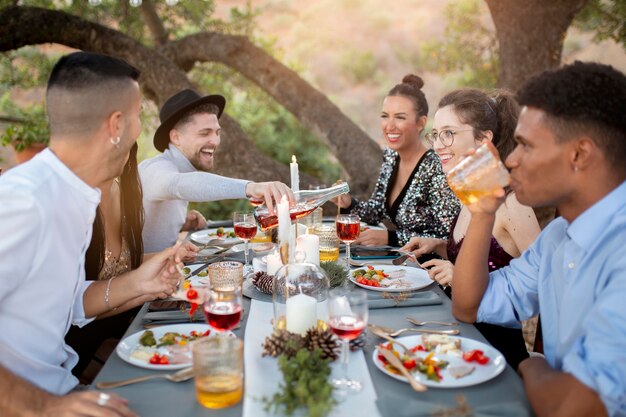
(530, 34)
(161, 77)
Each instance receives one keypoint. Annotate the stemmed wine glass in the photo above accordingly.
(348, 229)
(245, 229)
(347, 317)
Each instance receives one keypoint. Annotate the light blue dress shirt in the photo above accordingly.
(574, 275)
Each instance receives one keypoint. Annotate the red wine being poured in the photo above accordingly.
(245, 231)
(267, 221)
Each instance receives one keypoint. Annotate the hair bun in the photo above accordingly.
(414, 80)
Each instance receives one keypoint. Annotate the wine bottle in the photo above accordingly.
(306, 202)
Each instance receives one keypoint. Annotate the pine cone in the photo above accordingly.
(359, 342)
(263, 282)
(282, 342)
(325, 340)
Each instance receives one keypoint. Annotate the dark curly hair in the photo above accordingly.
(496, 111)
(411, 88)
(583, 98)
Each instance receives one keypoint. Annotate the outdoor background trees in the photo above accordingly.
(275, 106)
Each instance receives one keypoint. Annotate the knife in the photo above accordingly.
(200, 269)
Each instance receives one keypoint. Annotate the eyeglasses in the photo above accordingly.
(445, 136)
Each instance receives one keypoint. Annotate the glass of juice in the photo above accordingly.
(218, 371)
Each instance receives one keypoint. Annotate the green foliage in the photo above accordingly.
(359, 66)
(32, 126)
(305, 385)
(336, 272)
(469, 48)
(607, 18)
(26, 67)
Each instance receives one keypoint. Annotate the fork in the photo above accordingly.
(380, 332)
(395, 333)
(182, 375)
(424, 323)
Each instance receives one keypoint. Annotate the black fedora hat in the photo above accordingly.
(175, 108)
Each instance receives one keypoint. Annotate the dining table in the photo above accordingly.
(503, 395)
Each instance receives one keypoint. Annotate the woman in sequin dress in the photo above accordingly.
(411, 191)
(465, 119)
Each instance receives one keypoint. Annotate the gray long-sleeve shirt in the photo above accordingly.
(169, 183)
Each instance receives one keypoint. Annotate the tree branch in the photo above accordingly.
(154, 22)
(349, 143)
(160, 77)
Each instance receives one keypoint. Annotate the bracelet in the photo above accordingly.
(106, 294)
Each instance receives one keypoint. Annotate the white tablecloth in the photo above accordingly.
(263, 376)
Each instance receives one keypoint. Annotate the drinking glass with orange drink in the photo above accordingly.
(478, 175)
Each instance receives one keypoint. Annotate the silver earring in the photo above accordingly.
(115, 141)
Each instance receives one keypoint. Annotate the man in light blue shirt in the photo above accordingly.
(571, 149)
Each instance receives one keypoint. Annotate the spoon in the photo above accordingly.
(182, 375)
(395, 362)
(394, 333)
(424, 323)
(380, 333)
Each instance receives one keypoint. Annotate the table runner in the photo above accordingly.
(263, 376)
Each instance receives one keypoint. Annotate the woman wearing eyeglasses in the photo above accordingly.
(411, 191)
(465, 119)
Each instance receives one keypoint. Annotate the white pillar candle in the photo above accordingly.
(310, 245)
(295, 176)
(273, 263)
(284, 221)
(301, 313)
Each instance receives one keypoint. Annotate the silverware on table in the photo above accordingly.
(380, 333)
(182, 375)
(395, 333)
(396, 363)
(427, 322)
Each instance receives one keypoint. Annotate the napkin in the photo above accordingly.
(392, 405)
(423, 298)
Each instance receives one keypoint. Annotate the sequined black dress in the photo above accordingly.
(507, 340)
(425, 207)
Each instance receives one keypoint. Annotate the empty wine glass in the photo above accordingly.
(245, 229)
(347, 317)
(348, 229)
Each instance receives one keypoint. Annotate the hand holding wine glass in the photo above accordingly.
(245, 229)
(348, 229)
(347, 317)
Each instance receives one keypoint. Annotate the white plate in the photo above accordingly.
(127, 346)
(417, 277)
(209, 236)
(197, 281)
(259, 248)
(482, 373)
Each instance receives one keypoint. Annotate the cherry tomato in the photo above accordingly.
(192, 294)
(370, 267)
(409, 364)
(154, 359)
(418, 348)
(482, 359)
(192, 309)
(164, 360)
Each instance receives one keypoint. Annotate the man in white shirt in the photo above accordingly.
(46, 215)
(188, 136)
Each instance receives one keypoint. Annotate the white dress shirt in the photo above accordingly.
(46, 216)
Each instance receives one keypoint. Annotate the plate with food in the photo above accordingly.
(443, 361)
(163, 347)
(220, 236)
(390, 278)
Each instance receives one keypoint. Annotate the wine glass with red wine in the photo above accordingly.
(348, 229)
(222, 309)
(347, 317)
(245, 229)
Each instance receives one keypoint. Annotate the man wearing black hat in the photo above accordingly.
(188, 136)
